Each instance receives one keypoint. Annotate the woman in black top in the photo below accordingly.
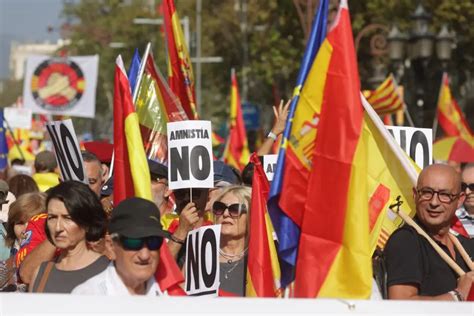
(75, 221)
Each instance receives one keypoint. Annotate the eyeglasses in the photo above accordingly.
(218, 208)
(135, 244)
(465, 186)
(444, 197)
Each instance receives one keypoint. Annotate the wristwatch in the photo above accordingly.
(456, 295)
(272, 135)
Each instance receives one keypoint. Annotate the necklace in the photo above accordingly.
(228, 272)
(232, 257)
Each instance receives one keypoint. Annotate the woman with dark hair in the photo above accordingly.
(21, 184)
(76, 220)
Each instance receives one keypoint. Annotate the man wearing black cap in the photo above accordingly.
(137, 236)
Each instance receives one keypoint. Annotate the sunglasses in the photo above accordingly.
(135, 244)
(465, 185)
(218, 208)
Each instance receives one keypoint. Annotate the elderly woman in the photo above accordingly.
(76, 220)
(231, 210)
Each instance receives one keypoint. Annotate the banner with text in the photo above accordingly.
(416, 142)
(190, 155)
(67, 150)
(269, 165)
(202, 261)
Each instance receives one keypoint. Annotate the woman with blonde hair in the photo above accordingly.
(231, 210)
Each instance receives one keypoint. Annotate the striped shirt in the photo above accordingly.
(467, 220)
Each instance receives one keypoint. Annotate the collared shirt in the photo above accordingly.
(466, 220)
(109, 283)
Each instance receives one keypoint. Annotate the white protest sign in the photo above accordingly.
(67, 150)
(18, 117)
(190, 155)
(269, 165)
(416, 142)
(202, 261)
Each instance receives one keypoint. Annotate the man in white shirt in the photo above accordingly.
(466, 212)
(137, 236)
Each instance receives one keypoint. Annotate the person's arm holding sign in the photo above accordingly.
(281, 114)
(188, 218)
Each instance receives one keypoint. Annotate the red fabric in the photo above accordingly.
(457, 226)
(102, 150)
(259, 264)
(175, 223)
(322, 229)
(168, 274)
(462, 151)
(34, 235)
(123, 106)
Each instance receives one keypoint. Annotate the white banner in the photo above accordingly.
(67, 150)
(190, 155)
(202, 261)
(61, 86)
(269, 165)
(416, 142)
(18, 117)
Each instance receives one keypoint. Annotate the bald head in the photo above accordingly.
(439, 173)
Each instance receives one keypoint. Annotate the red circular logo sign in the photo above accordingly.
(57, 84)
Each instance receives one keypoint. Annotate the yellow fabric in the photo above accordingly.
(14, 153)
(136, 154)
(46, 180)
(442, 148)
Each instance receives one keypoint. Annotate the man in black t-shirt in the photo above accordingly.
(414, 269)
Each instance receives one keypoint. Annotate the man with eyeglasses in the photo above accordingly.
(415, 271)
(466, 212)
(137, 236)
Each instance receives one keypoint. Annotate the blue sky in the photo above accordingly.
(26, 21)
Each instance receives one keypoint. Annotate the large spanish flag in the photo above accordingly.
(236, 152)
(450, 116)
(131, 173)
(180, 69)
(263, 268)
(334, 242)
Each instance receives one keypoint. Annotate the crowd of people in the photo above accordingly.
(68, 237)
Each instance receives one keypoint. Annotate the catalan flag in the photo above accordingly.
(288, 191)
(236, 152)
(263, 269)
(180, 78)
(450, 117)
(131, 173)
(386, 99)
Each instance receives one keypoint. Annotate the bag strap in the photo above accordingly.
(44, 277)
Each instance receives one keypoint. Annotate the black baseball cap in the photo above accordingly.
(157, 170)
(136, 218)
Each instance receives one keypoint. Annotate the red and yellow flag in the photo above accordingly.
(131, 172)
(334, 259)
(450, 116)
(180, 69)
(386, 99)
(263, 268)
(236, 152)
(155, 105)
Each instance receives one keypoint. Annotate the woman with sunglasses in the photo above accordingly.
(76, 220)
(231, 210)
(137, 237)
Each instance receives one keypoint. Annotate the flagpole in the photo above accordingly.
(435, 122)
(141, 71)
(407, 114)
(411, 172)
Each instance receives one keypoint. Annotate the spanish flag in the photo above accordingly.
(180, 69)
(263, 268)
(131, 173)
(236, 152)
(450, 116)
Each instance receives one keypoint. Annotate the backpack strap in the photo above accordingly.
(44, 277)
